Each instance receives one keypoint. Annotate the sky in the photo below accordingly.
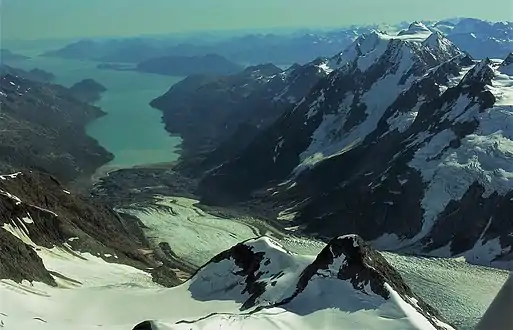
(39, 19)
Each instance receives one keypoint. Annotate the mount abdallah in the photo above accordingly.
(408, 142)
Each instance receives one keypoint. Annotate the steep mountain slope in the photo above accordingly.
(206, 111)
(407, 143)
(42, 127)
(40, 219)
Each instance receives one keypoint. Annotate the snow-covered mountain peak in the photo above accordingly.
(482, 72)
(440, 44)
(419, 42)
(415, 27)
(347, 275)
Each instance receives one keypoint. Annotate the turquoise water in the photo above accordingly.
(132, 130)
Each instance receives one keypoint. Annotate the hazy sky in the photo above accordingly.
(34, 19)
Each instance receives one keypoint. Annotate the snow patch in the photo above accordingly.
(485, 157)
(10, 176)
(11, 196)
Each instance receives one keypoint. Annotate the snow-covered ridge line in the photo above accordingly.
(270, 277)
(401, 62)
(214, 297)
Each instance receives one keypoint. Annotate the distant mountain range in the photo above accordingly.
(402, 138)
(477, 37)
(209, 64)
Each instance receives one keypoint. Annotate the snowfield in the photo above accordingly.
(95, 294)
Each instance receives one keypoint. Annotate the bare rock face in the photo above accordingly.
(19, 262)
(146, 325)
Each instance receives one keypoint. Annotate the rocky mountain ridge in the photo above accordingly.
(418, 128)
(206, 111)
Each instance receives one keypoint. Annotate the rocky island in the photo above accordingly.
(88, 90)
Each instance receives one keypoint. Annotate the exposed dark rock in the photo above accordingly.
(146, 325)
(218, 117)
(19, 262)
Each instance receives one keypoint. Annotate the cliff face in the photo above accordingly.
(42, 127)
